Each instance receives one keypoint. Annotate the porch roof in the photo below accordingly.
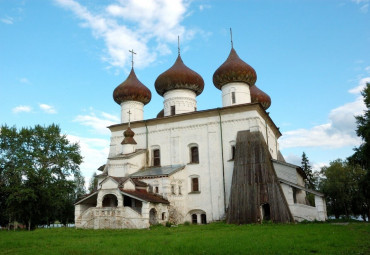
(145, 196)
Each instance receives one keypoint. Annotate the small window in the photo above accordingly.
(173, 189)
(194, 184)
(195, 109)
(194, 155)
(294, 194)
(194, 219)
(233, 152)
(203, 219)
(156, 189)
(163, 216)
(173, 109)
(180, 190)
(233, 101)
(156, 157)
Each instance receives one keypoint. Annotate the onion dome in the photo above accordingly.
(179, 76)
(258, 96)
(234, 70)
(160, 114)
(129, 136)
(132, 90)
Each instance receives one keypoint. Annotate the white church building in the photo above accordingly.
(182, 165)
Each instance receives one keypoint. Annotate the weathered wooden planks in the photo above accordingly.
(255, 183)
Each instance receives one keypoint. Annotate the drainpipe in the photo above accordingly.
(146, 140)
(222, 156)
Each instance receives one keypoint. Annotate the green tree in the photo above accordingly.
(335, 186)
(342, 188)
(39, 168)
(93, 185)
(361, 157)
(305, 165)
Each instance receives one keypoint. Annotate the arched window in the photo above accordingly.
(194, 154)
(163, 216)
(195, 184)
(194, 219)
(173, 109)
(233, 100)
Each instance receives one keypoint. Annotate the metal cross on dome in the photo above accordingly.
(231, 36)
(129, 117)
(132, 57)
(178, 44)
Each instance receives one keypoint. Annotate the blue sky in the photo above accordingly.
(61, 60)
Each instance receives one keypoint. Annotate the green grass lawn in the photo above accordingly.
(216, 238)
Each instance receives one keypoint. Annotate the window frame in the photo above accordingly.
(194, 154)
(233, 97)
(173, 110)
(195, 185)
(156, 159)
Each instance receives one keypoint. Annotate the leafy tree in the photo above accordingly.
(335, 186)
(342, 188)
(361, 156)
(39, 168)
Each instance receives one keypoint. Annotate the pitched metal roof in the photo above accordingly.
(145, 196)
(157, 171)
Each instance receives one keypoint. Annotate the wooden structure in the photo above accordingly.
(256, 194)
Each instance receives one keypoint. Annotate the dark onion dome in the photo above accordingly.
(234, 70)
(258, 96)
(179, 76)
(132, 90)
(160, 114)
(129, 136)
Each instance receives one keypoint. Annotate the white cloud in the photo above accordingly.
(367, 69)
(337, 133)
(22, 108)
(24, 80)
(364, 5)
(293, 159)
(7, 20)
(316, 167)
(98, 124)
(94, 152)
(361, 86)
(47, 108)
(145, 26)
(202, 7)
(364, 8)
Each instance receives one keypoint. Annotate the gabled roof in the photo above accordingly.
(122, 180)
(161, 171)
(145, 196)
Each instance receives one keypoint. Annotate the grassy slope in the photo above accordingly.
(217, 238)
